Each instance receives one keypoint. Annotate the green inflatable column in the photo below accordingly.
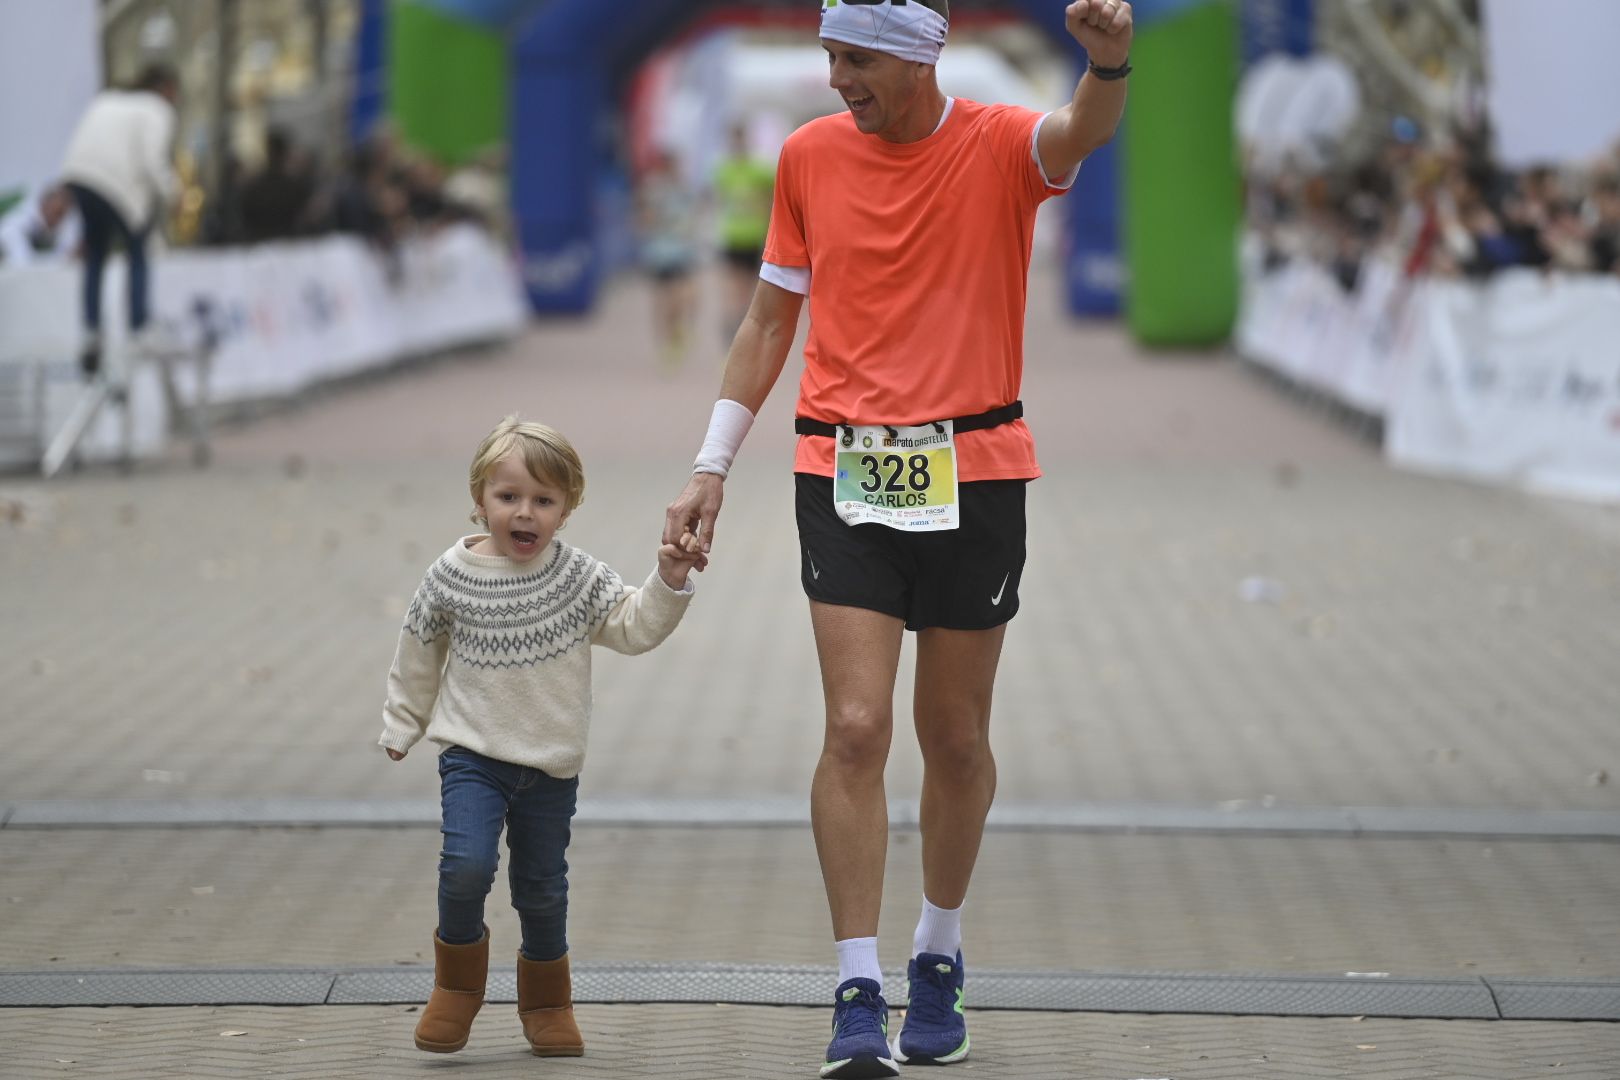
(1181, 191)
(447, 82)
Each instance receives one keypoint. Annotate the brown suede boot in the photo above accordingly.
(459, 974)
(546, 1007)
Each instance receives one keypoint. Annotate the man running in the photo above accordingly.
(742, 192)
(907, 221)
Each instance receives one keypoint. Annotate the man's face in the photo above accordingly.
(879, 89)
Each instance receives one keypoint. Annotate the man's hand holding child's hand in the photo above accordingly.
(676, 561)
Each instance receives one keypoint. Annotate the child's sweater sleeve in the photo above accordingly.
(643, 617)
(413, 681)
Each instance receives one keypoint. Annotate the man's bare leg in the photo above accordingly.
(956, 673)
(860, 653)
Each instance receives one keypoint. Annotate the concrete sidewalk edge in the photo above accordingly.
(1376, 994)
(1233, 818)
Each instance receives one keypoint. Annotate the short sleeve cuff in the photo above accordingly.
(1062, 183)
(795, 279)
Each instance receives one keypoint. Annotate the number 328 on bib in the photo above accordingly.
(906, 480)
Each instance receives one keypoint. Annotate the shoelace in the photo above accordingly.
(860, 1015)
(938, 1005)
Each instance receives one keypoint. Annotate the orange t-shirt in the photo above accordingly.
(919, 264)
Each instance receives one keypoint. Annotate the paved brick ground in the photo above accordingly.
(1433, 643)
(727, 1043)
(1425, 643)
(364, 897)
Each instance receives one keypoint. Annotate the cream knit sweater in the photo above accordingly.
(122, 151)
(495, 656)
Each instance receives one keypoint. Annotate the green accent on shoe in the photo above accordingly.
(958, 999)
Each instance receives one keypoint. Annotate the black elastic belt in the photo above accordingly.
(803, 425)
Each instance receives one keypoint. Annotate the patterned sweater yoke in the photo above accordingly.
(514, 620)
(495, 655)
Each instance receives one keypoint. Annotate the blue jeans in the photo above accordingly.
(103, 226)
(478, 795)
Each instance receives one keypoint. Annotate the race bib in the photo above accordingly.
(906, 480)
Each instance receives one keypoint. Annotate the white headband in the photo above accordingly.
(907, 30)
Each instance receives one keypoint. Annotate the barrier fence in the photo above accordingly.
(274, 320)
(1515, 380)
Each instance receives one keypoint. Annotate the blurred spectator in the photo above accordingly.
(275, 201)
(369, 204)
(1524, 217)
(222, 212)
(1606, 230)
(1566, 239)
(743, 186)
(119, 169)
(479, 190)
(668, 210)
(423, 182)
(45, 225)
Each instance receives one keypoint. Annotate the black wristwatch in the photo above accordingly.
(1109, 74)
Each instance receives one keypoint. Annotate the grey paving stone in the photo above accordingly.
(1048, 901)
(1432, 644)
(730, 1043)
(1419, 643)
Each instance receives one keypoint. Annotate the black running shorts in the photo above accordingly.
(744, 258)
(963, 579)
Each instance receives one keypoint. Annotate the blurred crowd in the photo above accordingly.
(1444, 210)
(384, 193)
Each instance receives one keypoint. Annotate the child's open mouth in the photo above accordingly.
(524, 539)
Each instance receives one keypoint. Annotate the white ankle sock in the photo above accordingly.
(858, 959)
(938, 931)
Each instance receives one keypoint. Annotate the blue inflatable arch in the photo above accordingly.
(570, 62)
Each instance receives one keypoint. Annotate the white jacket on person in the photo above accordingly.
(121, 151)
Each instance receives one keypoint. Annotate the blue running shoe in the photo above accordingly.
(934, 1031)
(860, 1044)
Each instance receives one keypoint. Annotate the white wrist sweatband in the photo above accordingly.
(728, 426)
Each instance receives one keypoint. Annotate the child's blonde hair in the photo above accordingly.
(547, 454)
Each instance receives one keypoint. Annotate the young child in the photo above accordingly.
(494, 665)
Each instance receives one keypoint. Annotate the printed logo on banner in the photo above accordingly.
(557, 271)
(322, 304)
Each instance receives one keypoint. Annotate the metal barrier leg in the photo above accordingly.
(120, 396)
(201, 451)
(79, 420)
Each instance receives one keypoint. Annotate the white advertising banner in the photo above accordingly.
(291, 315)
(1382, 331)
(284, 316)
(1300, 322)
(1518, 382)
